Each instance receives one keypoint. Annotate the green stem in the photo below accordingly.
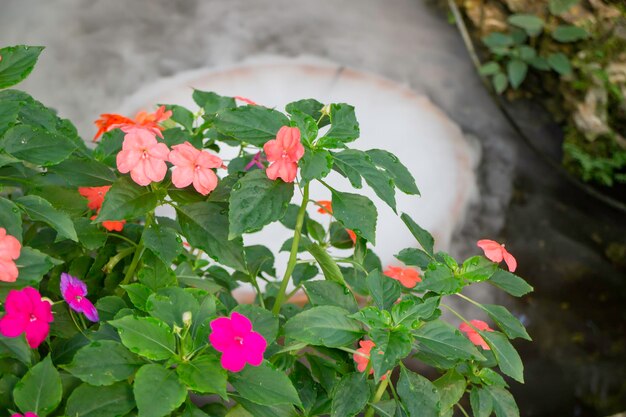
(258, 290)
(460, 407)
(114, 260)
(137, 256)
(477, 304)
(450, 309)
(382, 387)
(280, 298)
(353, 262)
(123, 238)
(292, 293)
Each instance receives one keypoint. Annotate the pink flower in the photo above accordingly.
(74, 292)
(9, 251)
(26, 414)
(408, 277)
(142, 156)
(245, 100)
(26, 313)
(257, 160)
(496, 252)
(194, 166)
(473, 335)
(284, 152)
(238, 343)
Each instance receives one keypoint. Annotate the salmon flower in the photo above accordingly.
(325, 207)
(74, 292)
(245, 100)
(143, 119)
(95, 199)
(496, 252)
(473, 335)
(284, 152)
(192, 166)
(408, 277)
(234, 338)
(26, 313)
(10, 249)
(362, 356)
(143, 157)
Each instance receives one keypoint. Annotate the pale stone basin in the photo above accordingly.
(392, 117)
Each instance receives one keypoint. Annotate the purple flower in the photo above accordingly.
(74, 292)
(257, 160)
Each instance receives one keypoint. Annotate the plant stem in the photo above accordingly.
(258, 290)
(460, 407)
(477, 304)
(450, 309)
(382, 387)
(280, 298)
(353, 262)
(114, 260)
(138, 252)
(123, 238)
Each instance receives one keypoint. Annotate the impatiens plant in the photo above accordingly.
(111, 308)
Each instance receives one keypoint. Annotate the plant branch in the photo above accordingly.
(280, 298)
(137, 256)
(382, 387)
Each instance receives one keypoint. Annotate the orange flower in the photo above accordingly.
(325, 207)
(496, 252)
(473, 335)
(95, 198)
(143, 119)
(352, 236)
(362, 358)
(408, 277)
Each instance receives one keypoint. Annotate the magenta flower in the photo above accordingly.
(238, 343)
(26, 414)
(257, 160)
(26, 313)
(74, 292)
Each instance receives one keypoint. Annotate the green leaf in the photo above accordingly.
(418, 394)
(157, 391)
(498, 40)
(181, 115)
(146, 336)
(350, 396)
(251, 124)
(33, 265)
(90, 401)
(509, 324)
(500, 82)
(154, 274)
(447, 341)
(414, 257)
(390, 163)
(82, 172)
(373, 318)
(323, 326)
(170, 304)
(391, 347)
(37, 146)
(477, 268)
(560, 63)
(15, 347)
(16, 63)
(357, 213)
(249, 409)
(315, 164)
(11, 218)
(263, 321)
(40, 390)
(344, 127)
(384, 290)
(517, 71)
(503, 402)
(510, 283)
(558, 7)
(412, 309)
(481, 402)
(424, 238)
(451, 387)
(265, 385)
(533, 25)
(489, 68)
(379, 180)
(260, 259)
(569, 33)
(212, 102)
(307, 125)
(439, 279)
(127, 200)
(163, 241)
(527, 53)
(540, 63)
(304, 272)
(506, 355)
(103, 363)
(205, 225)
(327, 263)
(330, 293)
(39, 209)
(308, 106)
(204, 374)
(89, 234)
(257, 201)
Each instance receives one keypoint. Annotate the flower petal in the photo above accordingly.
(241, 325)
(255, 346)
(12, 325)
(36, 332)
(233, 360)
(510, 260)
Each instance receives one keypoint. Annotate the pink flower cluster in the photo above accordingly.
(10, 249)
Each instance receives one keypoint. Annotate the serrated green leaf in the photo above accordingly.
(330, 293)
(510, 283)
(560, 63)
(265, 385)
(516, 71)
(40, 390)
(315, 164)
(127, 200)
(10, 218)
(204, 374)
(481, 402)
(163, 241)
(344, 127)
(384, 290)
(424, 238)
(500, 82)
(39, 209)
(323, 326)
(90, 401)
(327, 263)
(447, 341)
(569, 33)
(451, 387)
(391, 347)
(419, 396)
(35, 145)
(157, 391)
(533, 25)
(489, 68)
(401, 176)
(503, 402)
(17, 62)
(251, 124)
(357, 213)
(509, 324)
(350, 396)
(146, 336)
(83, 172)
(508, 359)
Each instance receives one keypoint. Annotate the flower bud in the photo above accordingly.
(187, 318)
